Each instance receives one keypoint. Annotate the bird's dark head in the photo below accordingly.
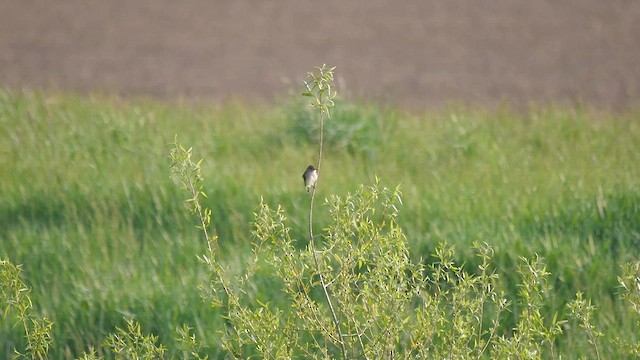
(310, 168)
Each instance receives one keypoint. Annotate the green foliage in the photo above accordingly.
(15, 300)
(359, 129)
(385, 305)
(130, 343)
(582, 310)
(320, 87)
(188, 344)
(630, 284)
(364, 263)
(188, 175)
(531, 332)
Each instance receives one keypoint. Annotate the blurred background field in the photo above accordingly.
(418, 54)
(89, 209)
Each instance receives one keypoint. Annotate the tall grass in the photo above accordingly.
(88, 208)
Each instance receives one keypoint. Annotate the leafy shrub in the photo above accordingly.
(360, 130)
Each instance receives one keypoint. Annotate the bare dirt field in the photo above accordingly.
(415, 53)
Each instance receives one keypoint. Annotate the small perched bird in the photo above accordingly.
(310, 177)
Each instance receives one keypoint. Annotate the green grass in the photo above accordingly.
(88, 207)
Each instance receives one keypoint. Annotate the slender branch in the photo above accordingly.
(189, 176)
(198, 208)
(325, 288)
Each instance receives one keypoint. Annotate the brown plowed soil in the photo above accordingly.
(416, 53)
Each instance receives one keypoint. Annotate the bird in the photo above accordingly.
(310, 177)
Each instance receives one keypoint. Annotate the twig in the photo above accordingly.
(325, 287)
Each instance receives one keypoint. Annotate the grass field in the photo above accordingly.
(88, 207)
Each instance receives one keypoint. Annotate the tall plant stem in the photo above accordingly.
(323, 283)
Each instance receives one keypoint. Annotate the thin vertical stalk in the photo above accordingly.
(323, 283)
